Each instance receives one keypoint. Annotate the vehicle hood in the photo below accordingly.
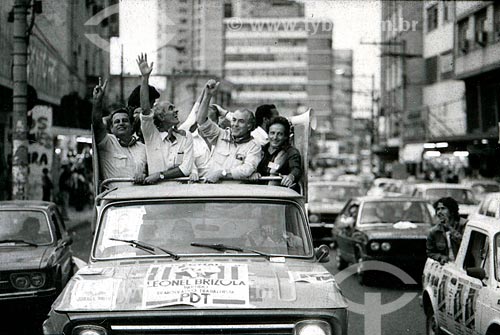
(326, 207)
(418, 231)
(207, 284)
(24, 257)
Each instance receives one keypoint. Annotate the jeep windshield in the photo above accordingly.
(272, 228)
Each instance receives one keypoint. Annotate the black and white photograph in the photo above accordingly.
(244, 167)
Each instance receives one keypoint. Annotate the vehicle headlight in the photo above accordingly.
(313, 327)
(314, 218)
(375, 246)
(37, 279)
(20, 281)
(386, 246)
(89, 330)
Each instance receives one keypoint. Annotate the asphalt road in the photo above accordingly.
(408, 319)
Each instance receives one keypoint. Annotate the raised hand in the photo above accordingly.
(211, 87)
(142, 62)
(98, 93)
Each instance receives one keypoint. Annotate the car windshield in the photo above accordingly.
(24, 225)
(395, 211)
(462, 196)
(272, 228)
(326, 193)
(486, 188)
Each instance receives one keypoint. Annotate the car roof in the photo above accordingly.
(480, 181)
(177, 190)
(349, 183)
(387, 198)
(25, 204)
(441, 186)
(487, 223)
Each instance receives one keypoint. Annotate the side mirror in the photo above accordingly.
(322, 254)
(477, 272)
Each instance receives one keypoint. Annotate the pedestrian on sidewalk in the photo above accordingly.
(47, 185)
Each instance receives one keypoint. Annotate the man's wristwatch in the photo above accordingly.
(162, 176)
(224, 173)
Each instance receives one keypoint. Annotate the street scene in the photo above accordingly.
(305, 167)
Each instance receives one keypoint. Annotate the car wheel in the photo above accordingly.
(341, 263)
(431, 324)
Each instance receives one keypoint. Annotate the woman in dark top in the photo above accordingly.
(280, 158)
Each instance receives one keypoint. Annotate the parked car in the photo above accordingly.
(465, 197)
(481, 187)
(392, 230)
(488, 207)
(35, 254)
(462, 296)
(384, 186)
(198, 259)
(326, 200)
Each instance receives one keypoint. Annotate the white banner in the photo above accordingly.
(200, 285)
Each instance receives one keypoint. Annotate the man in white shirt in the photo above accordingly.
(235, 154)
(121, 155)
(169, 150)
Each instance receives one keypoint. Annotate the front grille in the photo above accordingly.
(209, 322)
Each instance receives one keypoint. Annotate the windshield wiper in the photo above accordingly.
(19, 241)
(146, 247)
(224, 247)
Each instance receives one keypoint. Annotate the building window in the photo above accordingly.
(447, 10)
(446, 66)
(480, 30)
(463, 42)
(432, 18)
(496, 19)
(431, 72)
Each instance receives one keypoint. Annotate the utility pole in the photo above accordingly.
(19, 115)
(122, 96)
(372, 123)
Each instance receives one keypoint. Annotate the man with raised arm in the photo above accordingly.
(169, 150)
(120, 154)
(235, 153)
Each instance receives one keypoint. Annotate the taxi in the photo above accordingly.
(462, 297)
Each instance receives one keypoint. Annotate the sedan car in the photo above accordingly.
(467, 202)
(326, 200)
(392, 230)
(35, 255)
(481, 187)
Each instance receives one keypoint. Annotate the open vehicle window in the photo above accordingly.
(477, 252)
(273, 228)
(25, 225)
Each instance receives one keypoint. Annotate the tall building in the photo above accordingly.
(282, 60)
(342, 87)
(401, 80)
(477, 63)
(190, 49)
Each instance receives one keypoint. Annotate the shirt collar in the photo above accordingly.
(228, 137)
(164, 135)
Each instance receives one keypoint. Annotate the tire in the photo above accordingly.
(341, 263)
(431, 324)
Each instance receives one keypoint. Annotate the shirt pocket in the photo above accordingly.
(120, 161)
(221, 155)
(179, 158)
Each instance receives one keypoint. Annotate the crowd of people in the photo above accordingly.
(146, 141)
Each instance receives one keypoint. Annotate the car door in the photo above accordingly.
(464, 289)
(345, 240)
(63, 252)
